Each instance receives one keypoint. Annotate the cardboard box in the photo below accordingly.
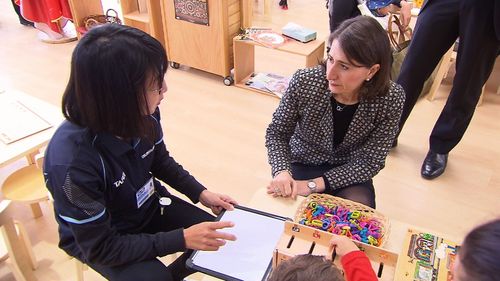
(298, 32)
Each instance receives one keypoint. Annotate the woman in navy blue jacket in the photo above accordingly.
(105, 163)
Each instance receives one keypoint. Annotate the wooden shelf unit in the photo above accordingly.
(206, 47)
(244, 57)
(81, 9)
(137, 16)
(144, 15)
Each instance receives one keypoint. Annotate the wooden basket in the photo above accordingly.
(95, 20)
(344, 217)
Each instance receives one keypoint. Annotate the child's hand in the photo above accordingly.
(342, 245)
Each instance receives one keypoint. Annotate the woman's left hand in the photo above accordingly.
(302, 188)
(216, 202)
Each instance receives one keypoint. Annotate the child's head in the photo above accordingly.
(116, 72)
(306, 267)
(479, 257)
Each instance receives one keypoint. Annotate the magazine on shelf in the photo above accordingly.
(269, 82)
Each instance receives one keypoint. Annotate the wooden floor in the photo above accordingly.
(217, 133)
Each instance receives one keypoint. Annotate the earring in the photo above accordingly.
(367, 79)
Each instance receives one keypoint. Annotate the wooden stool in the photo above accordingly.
(79, 266)
(27, 185)
(442, 72)
(18, 246)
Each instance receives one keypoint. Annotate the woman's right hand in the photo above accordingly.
(405, 13)
(204, 236)
(283, 185)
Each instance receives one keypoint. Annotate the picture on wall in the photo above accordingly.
(195, 11)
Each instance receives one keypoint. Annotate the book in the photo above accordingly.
(269, 82)
(299, 32)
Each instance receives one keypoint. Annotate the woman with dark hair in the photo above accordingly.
(104, 164)
(335, 124)
(478, 257)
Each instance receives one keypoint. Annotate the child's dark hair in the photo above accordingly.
(306, 267)
(480, 253)
(106, 91)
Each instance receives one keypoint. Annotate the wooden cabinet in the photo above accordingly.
(145, 15)
(142, 14)
(206, 47)
(81, 9)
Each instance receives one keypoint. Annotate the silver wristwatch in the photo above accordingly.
(312, 186)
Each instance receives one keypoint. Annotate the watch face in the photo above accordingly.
(311, 184)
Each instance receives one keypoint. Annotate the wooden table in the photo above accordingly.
(30, 145)
(286, 207)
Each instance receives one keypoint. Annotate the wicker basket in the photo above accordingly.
(345, 217)
(95, 20)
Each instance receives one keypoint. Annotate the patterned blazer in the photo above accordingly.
(301, 130)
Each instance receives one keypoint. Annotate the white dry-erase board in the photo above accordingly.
(249, 257)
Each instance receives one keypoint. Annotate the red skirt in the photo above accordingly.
(45, 11)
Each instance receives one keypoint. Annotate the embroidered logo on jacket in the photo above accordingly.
(120, 181)
(148, 152)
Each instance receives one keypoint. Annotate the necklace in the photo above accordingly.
(338, 107)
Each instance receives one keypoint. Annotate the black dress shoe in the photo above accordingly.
(434, 165)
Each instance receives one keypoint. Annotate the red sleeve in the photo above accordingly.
(357, 267)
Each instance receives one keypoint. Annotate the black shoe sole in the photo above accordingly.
(431, 177)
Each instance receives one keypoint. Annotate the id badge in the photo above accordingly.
(145, 192)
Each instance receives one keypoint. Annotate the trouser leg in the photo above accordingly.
(435, 31)
(477, 52)
(179, 214)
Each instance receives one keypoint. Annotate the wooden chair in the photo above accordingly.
(27, 185)
(19, 249)
(79, 266)
(442, 73)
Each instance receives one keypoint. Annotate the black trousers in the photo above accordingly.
(179, 214)
(362, 192)
(341, 10)
(439, 24)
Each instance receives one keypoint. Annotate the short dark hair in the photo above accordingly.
(480, 252)
(365, 41)
(306, 267)
(106, 91)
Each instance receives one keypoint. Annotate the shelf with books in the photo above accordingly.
(268, 83)
(244, 58)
